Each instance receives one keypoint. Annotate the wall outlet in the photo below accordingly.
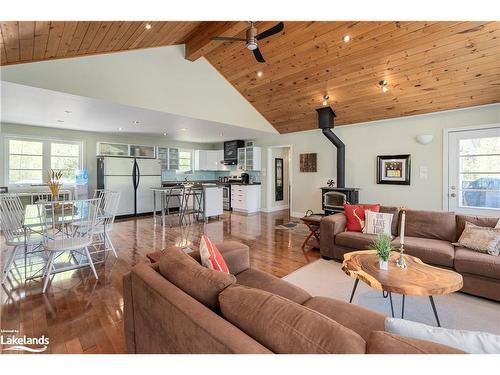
(424, 172)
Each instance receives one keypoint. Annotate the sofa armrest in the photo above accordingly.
(330, 226)
(236, 255)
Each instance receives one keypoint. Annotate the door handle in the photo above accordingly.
(453, 195)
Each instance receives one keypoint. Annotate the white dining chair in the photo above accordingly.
(109, 201)
(11, 221)
(68, 228)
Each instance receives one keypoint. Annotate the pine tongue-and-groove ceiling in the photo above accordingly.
(429, 66)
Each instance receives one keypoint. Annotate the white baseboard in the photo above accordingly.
(274, 209)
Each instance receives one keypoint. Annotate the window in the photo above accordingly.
(25, 162)
(65, 157)
(474, 171)
(29, 160)
(185, 162)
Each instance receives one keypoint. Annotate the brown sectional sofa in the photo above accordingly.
(429, 235)
(161, 316)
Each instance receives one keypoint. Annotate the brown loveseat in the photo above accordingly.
(429, 235)
(171, 307)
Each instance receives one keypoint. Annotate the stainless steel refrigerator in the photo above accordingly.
(133, 178)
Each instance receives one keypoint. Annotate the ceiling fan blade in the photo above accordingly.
(273, 30)
(258, 55)
(228, 38)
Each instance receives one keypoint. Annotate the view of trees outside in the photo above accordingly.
(480, 172)
(26, 161)
(185, 162)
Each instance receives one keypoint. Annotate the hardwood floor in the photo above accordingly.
(82, 315)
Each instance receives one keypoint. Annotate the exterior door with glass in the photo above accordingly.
(474, 171)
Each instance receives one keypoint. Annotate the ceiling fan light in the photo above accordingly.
(251, 45)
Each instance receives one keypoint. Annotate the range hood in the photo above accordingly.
(231, 152)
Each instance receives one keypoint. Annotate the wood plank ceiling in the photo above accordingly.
(29, 41)
(429, 66)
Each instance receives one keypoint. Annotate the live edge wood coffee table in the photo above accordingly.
(418, 279)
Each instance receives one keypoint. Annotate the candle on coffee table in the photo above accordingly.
(402, 230)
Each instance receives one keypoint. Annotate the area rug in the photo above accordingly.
(456, 310)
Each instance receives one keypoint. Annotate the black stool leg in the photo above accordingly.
(434, 310)
(392, 307)
(354, 289)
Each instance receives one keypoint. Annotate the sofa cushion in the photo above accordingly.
(437, 252)
(355, 240)
(284, 326)
(436, 225)
(475, 263)
(265, 281)
(386, 343)
(480, 221)
(482, 239)
(395, 219)
(360, 320)
(468, 341)
(187, 274)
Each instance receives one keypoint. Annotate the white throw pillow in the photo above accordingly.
(468, 341)
(377, 223)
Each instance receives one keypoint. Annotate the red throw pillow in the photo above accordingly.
(211, 256)
(355, 215)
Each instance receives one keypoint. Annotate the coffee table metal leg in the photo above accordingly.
(385, 294)
(403, 308)
(434, 310)
(354, 289)
(392, 307)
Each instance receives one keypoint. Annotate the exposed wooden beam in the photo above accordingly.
(199, 44)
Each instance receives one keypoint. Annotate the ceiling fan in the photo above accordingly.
(252, 38)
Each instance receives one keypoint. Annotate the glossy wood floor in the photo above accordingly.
(82, 315)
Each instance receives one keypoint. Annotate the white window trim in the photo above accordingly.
(46, 154)
(179, 172)
(446, 133)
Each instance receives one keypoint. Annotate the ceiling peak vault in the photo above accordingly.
(429, 66)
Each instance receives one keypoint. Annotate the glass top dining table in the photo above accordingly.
(53, 214)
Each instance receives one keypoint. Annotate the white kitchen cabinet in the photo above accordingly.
(249, 158)
(245, 198)
(169, 158)
(209, 160)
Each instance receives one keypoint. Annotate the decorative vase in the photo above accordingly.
(383, 264)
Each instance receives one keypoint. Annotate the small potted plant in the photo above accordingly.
(382, 245)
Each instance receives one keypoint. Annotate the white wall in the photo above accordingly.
(367, 140)
(154, 78)
(90, 139)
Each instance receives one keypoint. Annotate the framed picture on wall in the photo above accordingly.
(393, 169)
(308, 162)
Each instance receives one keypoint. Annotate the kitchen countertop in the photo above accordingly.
(217, 182)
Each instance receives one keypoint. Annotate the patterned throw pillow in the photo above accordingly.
(211, 256)
(498, 224)
(355, 215)
(482, 239)
(378, 223)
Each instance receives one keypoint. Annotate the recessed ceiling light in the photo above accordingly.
(120, 129)
(135, 122)
(183, 129)
(346, 38)
(259, 74)
(60, 120)
(68, 112)
(148, 26)
(383, 85)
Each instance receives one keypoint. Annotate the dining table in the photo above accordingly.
(34, 222)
